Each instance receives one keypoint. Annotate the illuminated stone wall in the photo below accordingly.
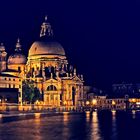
(48, 67)
(7, 81)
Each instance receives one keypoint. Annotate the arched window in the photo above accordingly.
(73, 95)
(19, 69)
(51, 88)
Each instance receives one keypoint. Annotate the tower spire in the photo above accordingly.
(2, 47)
(18, 45)
(3, 56)
(46, 29)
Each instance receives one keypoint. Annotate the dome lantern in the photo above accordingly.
(18, 46)
(46, 29)
(2, 47)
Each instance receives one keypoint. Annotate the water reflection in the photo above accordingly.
(87, 116)
(113, 115)
(101, 125)
(37, 126)
(37, 119)
(37, 115)
(65, 129)
(114, 126)
(65, 117)
(95, 135)
(133, 114)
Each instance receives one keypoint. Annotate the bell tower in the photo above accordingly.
(3, 56)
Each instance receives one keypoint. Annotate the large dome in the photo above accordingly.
(46, 48)
(17, 58)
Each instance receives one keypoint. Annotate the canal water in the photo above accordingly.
(103, 125)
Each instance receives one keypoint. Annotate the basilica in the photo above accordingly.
(46, 65)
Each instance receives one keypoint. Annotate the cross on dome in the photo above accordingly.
(18, 45)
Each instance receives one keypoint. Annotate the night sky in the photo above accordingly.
(101, 38)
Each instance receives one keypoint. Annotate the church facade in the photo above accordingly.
(46, 65)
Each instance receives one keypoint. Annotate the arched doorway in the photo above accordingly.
(51, 88)
(73, 95)
(52, 97)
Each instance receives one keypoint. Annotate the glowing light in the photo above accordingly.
(87, 116)
(94, 101)
(94, 117)
(133, 114)
(96, 110)
(37, 115)
(65, 102)
(113, 112)
(37, 102)
(87, 102)
(65, 113)
(1, 116)
(65, 117)
(113, 103)
(133, 100)
(95, 127)
(87, 112)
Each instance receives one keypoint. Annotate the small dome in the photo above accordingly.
(46, 48)
(17, 58)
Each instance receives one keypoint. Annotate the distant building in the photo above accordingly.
(91, 93)
(137, 88)
(86, 91)
(47, 66)
(123, 89)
